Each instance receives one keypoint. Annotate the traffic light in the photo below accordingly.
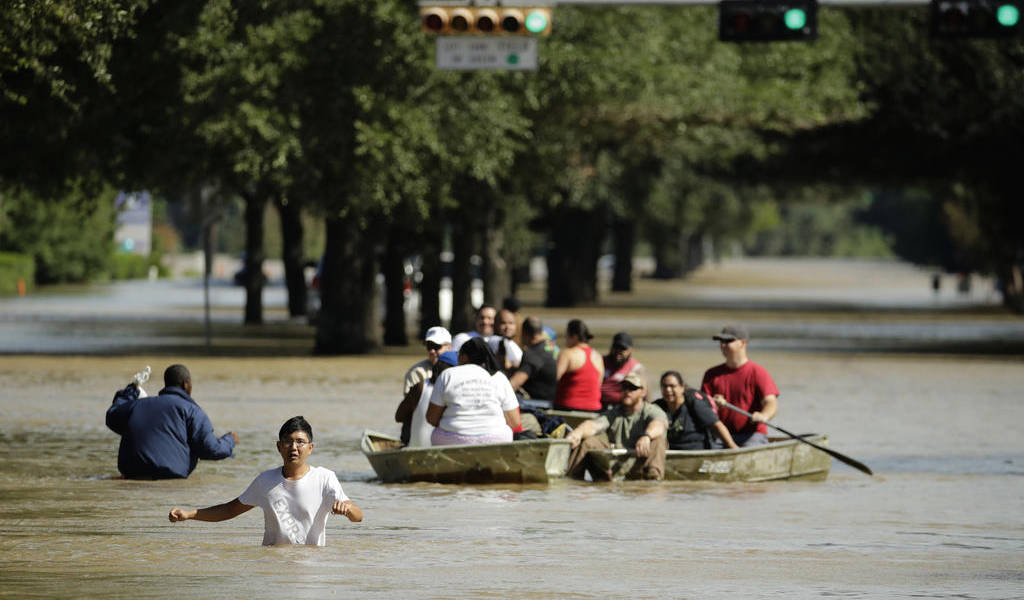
(767, 20)
(489, 20)
(976, 18)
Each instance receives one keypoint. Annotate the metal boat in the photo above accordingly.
(783, 458)
(527, 461)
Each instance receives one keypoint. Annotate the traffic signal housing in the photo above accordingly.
(976, 18)
(768, 20)
(487, 20)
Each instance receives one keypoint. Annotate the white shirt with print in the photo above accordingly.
(294, 512)
(474, 400)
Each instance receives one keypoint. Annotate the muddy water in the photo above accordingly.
(943, 518)
(925, 388)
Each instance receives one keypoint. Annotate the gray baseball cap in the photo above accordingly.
(732, 332)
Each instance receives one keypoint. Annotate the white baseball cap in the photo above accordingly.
(438, 335)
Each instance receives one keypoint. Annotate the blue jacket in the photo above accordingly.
(163, 436)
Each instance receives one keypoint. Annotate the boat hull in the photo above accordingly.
(784, 458)
(527, 461)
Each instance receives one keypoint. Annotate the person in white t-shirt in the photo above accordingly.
(296, 499)
(483, 326)
(473, 403)
(412, 412)
(503, 344)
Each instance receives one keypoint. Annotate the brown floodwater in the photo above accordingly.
(942, 518)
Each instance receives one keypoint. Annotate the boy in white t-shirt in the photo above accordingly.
(296, 499)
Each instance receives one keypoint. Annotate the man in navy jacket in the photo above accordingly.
(164, 436)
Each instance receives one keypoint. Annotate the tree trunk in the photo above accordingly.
(1012, 282)
(694, 255)
(573, 250)
(430, 286)
(665, 246)
(254, 280)
(348, 321)
(496, 275)
(292, 254)
(624, 232)
(462, 277)
(394, 291)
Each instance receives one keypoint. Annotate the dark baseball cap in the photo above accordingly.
(732, 332)
(622, 340)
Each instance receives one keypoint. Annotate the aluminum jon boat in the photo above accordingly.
(783, 458)
(527, 461)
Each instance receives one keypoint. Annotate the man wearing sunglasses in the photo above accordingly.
(437, 341)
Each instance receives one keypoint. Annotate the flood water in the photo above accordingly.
(942, 518)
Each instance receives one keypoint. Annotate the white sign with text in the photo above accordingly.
(470, 53)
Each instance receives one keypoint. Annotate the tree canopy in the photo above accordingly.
(638, 124)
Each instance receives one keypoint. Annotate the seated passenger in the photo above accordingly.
(537, 372)
(580, 370)
(632, 424)
(503, 344)
(412, 412)
(692, 420)
(618, 363)
(473, 403)
(483, 326)
(437, 341)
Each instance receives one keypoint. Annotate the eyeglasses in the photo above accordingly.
(432, 347)
(296, 443)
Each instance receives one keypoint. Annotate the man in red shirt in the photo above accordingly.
(618, 363)
(744, 384)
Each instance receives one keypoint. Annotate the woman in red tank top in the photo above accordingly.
(579, 371)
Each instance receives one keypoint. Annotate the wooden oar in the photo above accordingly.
(856, 464)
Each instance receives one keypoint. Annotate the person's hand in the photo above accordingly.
(178, 514)
(643, 446)
(757, 417)
(719, 399)
(342, 507)
(234, 436)
(574, 438)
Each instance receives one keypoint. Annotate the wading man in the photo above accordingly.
(164, 436)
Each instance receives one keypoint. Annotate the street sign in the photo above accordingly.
(500, 53)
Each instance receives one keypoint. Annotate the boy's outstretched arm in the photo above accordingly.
(220, 512)
(348, 509)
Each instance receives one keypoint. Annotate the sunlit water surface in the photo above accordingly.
(943, 517)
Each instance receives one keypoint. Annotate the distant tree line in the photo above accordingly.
(638, 126)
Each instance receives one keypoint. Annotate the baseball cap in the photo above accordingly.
(623, 340)
(438, 335)
(732, 332)
(634, 380)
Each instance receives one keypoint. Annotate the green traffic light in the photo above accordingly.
(795, 18)
(1008, 15)
(536, 22)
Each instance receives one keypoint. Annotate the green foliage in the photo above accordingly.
(54, 57)
(822, 228)
(71, 239)
(15, 268)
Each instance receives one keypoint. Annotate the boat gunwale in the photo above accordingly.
(407, 450)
